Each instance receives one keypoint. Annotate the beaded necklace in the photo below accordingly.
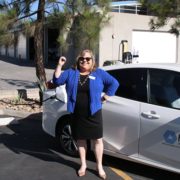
(83, 82)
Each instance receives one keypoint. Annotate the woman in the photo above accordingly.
(84, 85)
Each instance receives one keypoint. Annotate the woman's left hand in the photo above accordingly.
(104, 98)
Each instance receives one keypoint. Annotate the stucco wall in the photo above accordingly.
(21, 47)
(20, 51)
(11, 51)
(3, 50)
(120, 28)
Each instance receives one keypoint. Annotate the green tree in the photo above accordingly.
(163, 11)
(79, 23)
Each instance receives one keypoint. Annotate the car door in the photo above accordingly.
(160, 119)
(121, 112)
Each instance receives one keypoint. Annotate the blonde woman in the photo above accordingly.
(84, 85)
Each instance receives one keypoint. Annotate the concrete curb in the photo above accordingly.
(32, 93)
(19, 114)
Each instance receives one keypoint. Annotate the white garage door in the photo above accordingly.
(154, 47)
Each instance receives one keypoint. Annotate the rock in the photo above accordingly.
(27, 105)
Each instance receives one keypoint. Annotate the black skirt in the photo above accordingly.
(85, 125)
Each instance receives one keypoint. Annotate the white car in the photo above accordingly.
(141, 122)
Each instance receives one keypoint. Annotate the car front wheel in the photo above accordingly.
(65, 138)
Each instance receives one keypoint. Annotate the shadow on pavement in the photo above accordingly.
(27, 63)
(20, 83)
(16, 61)
(141, 171)
(28, 137)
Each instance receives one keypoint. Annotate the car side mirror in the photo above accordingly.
(61, 94)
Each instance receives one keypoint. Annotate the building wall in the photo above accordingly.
(3, 50)
(21, 50)
(120, 28)
(18, 52)
(11, 51)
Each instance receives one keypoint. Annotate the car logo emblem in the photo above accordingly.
(170, 137)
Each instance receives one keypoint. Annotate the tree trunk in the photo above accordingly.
(39, 57)
(38, 44)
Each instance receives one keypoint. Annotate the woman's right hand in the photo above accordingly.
(62, 61)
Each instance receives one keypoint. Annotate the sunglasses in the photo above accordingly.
(82, 59)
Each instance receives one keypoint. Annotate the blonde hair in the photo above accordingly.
(76, 65)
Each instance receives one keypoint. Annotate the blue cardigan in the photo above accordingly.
(99, 81)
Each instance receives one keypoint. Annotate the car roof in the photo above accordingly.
(166, 66)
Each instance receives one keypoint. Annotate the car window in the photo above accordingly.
(165, 88)
(132, 83)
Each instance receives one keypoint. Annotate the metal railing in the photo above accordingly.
(133, 9)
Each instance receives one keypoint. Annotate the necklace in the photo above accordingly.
(84, 81)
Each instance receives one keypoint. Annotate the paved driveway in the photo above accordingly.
(27, 153)
(19, 75)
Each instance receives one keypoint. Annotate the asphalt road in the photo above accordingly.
(137, 171)
(19, 75)
(28, 153)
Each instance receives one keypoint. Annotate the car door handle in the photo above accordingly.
(150, 115)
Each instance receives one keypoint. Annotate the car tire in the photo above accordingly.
(65, 138)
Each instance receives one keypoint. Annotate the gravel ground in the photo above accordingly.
(25, 105)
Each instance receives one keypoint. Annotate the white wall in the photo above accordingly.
(21, 47)
(11, 51)
(3, 50)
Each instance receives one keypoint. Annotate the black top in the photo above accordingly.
(82, 101)
(85, 125)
